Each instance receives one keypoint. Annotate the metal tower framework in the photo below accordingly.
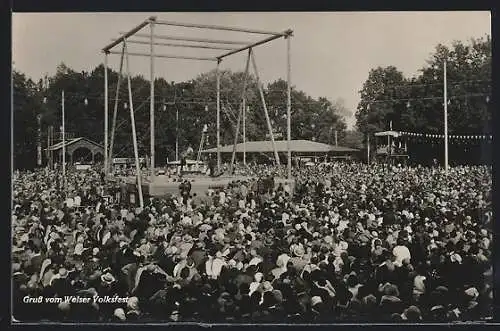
(230, 47)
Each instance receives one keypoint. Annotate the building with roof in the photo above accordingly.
(81, 150)
(299, 148)
(391, 147)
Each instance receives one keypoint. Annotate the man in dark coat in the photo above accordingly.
(123, 193)
(37, 259)
(211, 166)
(185, 190)
(183, 164)
(149, 283)
(61, 285)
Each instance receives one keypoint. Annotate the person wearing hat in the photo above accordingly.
(412, 314)
(369, 307)
(187, 240)
(133, 311)
(46, 272)
(64, 311)
(148, 280)
(255, 258)
(18, 276)
(198, 254)
(273, 301)
(108, 284)
(37, 258)
(214, 265)
(297, 260)
(119, 315)
(186, 264)
(390, 302)
(438, 313)
(316, 306)
(281, 266)
(256, 284)
(401, 253)
(60, 283)
(266, 287)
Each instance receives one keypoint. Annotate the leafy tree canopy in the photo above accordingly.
(194, 101)
(416, 103)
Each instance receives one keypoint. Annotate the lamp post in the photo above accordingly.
(445, 110)
(50, 137)
(368, 140)
(389, 140)
(39, 119)
(245, 110)
(176, 133)
(63, 143)
(368, 146)
(445, 118)
(39, 141)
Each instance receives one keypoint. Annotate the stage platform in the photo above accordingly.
(163, 185)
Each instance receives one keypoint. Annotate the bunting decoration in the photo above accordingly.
(441, 136)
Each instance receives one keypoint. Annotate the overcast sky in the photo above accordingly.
(332, 53)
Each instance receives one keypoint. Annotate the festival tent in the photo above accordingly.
(393, 134)
(296, 146)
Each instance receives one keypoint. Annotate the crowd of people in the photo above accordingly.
(347, 242)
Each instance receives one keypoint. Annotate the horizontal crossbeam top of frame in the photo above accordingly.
(128, 34)
(140, 42)
(200, 40)
(285, 34)
(217, 27)
(166, 56)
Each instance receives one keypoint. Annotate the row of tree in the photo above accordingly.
(194, 101)
(415, 104)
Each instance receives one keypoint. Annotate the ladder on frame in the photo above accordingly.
(202, 143)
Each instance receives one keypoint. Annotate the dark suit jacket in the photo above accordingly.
(36, 262)
(390, 305)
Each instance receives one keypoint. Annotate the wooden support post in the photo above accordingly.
(115, 111)
(169, 56)
(268, 39)
(106, 115)
(200, 40)
(128, 34)
(216, 27)
(63, 144)
(176, 133)
(140, 42)
(445, 101)
(152, 101)
(237, 130)
(368, 147)
(48, 147)
(289, 109)
(261, 92)
(217, 73)
(134, 135)
(244, 131)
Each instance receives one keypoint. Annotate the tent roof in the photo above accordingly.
(297, 146)
(68, 142)
(187, 162)
(387, 133)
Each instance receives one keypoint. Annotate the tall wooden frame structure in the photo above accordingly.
(229, 47)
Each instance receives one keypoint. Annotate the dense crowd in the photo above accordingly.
(347, 242)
